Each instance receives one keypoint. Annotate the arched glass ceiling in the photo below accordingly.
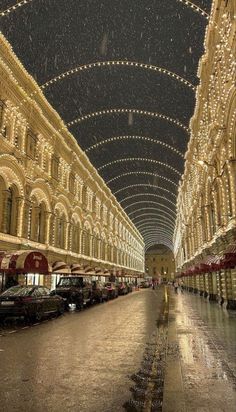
(122, 75)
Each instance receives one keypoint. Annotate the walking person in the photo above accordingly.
(181, 284)
(176, 285)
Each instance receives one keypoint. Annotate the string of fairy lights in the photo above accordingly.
(149, 185)
(147, 194)
(131, 137)
(121, 64)
(144, 173)
(153, 216)
(155, 228)
(147, 210)
(155, 222)
(139, 159)
(150, 202)
(119, 111)
(21, 3)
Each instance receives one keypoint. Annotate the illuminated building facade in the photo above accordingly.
(205, 232)
(160, 263)
(51, 197)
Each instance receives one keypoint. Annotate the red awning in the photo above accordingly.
(60, 267)
(229, 259)
(23, 261)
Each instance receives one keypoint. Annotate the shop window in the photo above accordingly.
(31, 143)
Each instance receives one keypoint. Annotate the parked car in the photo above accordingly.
(145, 284)
(130, 287)
(122, 288)
(75, 290)
(32, 302)
(99, 292)
(112, 290)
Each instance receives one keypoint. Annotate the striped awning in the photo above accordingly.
(23, 261)
(60, 267)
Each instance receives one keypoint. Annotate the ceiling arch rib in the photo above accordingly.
(147, 194)
(129, 137)
(145, 185)
(141, 173)
(122, 64)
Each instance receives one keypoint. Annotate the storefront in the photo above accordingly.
(23, 267)
(59, 269)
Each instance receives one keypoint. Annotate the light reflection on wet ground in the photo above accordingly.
(206, 339)
(80, 362)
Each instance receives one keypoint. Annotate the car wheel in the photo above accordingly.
(60, 310)
(38, 315)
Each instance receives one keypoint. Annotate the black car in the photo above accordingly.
(122, 288)
(32, 302)
(112, 290)
(75, 290)
(99, 292)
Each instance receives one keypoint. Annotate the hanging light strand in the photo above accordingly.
(144, 138)
(194, 7)
(140, 159)
(147, 194)
(16, 6)
(122, 111)
(141, 173)
(120, 63)
(145, 185)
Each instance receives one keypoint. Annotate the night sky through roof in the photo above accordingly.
(131, 119)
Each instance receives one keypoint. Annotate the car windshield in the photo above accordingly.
(17, 291)
(70, 282)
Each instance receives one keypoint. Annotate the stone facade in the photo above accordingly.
(51, 197)
(160, 263)
(206, 206)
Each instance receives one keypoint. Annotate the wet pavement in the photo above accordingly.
(81, 361)
(119, 353)
(201, 361)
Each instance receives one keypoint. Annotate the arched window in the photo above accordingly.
(60, 222)
(9, 220)
(75, 246)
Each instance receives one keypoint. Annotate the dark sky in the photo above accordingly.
(53, 36)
